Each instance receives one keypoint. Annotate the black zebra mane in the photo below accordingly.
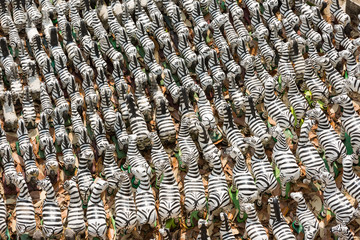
(277, 209)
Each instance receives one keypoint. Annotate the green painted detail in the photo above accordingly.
(288, 185)
(133, 183)
(41, 152)
(298, 228)
(346, 74)
(157, 182)
(347, 143)
(18, 148)
(57, 147)
(178, 157)
(193, 215)
(294, 114)
(140, 51)
(170, 223)
(7, 234)
(25, 236)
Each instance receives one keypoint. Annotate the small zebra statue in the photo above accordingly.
(277, 223)
(306, 218)
(125, 209)
(350, 180)
(25, 211)
(52, 221)
(75, 215)
(95, 214)
(342, 232)
(284, 159)
(225, 229)
(350, 121)
(253, 227)
(144, 198)
(336, 201)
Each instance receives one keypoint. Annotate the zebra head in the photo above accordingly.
(326, 178)
(224, 218)
(141, 172)
(121, 176)
(99, 186)
(165, 233)
(203, 224)
(341, 231)
(297, 196)
(349, 160)
(315, 113)
(45, 184)
(276, 131)
(342, 100)
(69, 185)
(248, 208)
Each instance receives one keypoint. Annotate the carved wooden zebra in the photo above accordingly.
(253, 227)
(225, 229)
(305, 216)
(342, 232)
(277, 223)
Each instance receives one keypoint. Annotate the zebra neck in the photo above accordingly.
(348, 110)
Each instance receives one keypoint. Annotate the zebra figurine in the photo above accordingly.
(51, 163)
(171, 85)
(308, 31)
(217, 18)
(261, 169)
(254, 122)
(44, 133)
(142, 99)
(57, 95)
(95, 214)
(165, 232)
(342, 232)
(349, 121)
(287, 13)
(328, 139)
(59, 126)
(110, 168)
(350, 180)
(8, 165)
(29, 113)
(84, 179)
(76, 100)
(121, 133)
(225, 229)
(199, 42)
(336, 201)
(25, 211)
(137, 123)
(351, 63)
(330, 50)
(144, 198)
(203, 233)
(193, 186)
(319, 21)
(234, 9)
(206, 145)
(198, 18)
(317, 87)
(351, 84)
(125, 209)
(277, 222)
(31, 170)
(4, 144)
(107, 109)
(9, 112)
(23, 137)
(19, 15)
(242, 177)
(308, 154)
(277, 110)
(253, 227)
(3, 216)
(231, 131)
(68, 154)
(171, 56)
(185, 142)
(205, 110)
(342, 40)
(305, 216)
(216, 71)
(169, 195)
(296, 100)
(84, 143)
(100, 136)
(219, 101)
(88, 87)
(75, 215)
(338, 13)
(52, 222)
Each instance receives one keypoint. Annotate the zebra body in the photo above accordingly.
(68, 154)
(8, 165)
(107, 109)
(95, 214)
(120, 132)
(328, 139)
(342, 232)
(336, 201)
(307, 153)
(51, 163)
(253, 227)
(277, 221)
(22, 135)
(308, 31)
(342, 40)
(29, 113)
(31, 170)
(232, 133)
(25, 211)
(52, 223)
(330, 50)
(100, 136)
(84, 179)
(110, 167)
(305, 216)
(75, 216)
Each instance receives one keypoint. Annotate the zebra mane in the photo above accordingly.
(3, 5)
(138, 6)
(229, 113)
(185, 97)
(4, 48)
(131, 104)
(226, 222)
(83, 28)
(68, 33)
(252, 106)
(163, 106)
(277, 209)
(168, 233)
(203, 229)
(87, 5)
(198, 10)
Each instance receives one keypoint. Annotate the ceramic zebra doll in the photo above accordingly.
(253, 227)
(338, 13)
(328, 139)
(219, 101)
(319, 21)
(194, 189)
(261, 169)
(75, 216)
(350, 121)
(277, 223)
(308, 154)
(305, 217)
(277, 110)
(165, 234)
(29, 113)
(110, 167)
(25, 211)
(95, 214)
(23, 138)
(100, 136)
(254, 122)
(8, 108)
(225, 229)
(198, 18)
(284, 159)
(144, 198)
(121, 133)
(342, 40)
(8, 165)
(231, 131)
(169, 195)
(125, 209)
(329, 49)
(137, 123)
(241, 178)
(142, 99)
(68, 154)
(44, 134)
(342, 232)
(350, 180)
(31, 170)
(4, 144)
(52, 222)
(84, 178)
(336, 201)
